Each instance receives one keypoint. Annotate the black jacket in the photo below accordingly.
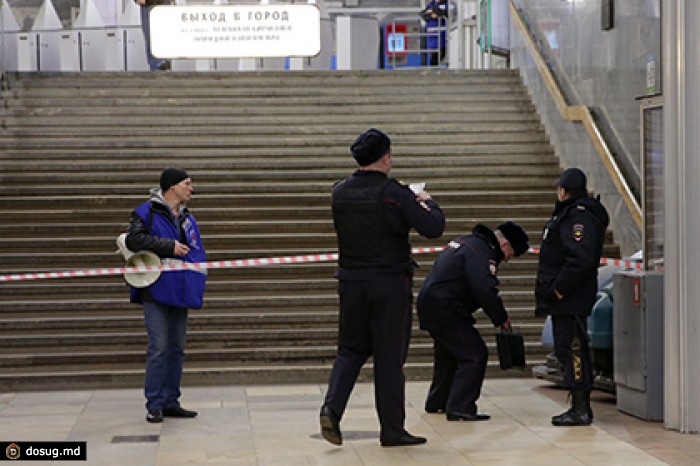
(462, 280)
(398, 210)
(572, 245)
(139, 236)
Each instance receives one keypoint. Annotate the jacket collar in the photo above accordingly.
(485, 233)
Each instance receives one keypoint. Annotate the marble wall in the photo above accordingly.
(603, 70)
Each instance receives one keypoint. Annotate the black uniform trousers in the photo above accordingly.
(375, 320)
(459, 368)
(572, 350)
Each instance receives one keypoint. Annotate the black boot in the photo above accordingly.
(580, 413)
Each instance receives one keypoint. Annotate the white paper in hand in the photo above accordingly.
(417, 187)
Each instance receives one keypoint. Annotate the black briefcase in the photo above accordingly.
(511, 349)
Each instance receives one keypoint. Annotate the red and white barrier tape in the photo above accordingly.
(605, 261)
(227, 264)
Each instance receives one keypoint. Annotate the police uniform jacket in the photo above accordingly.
(373, 215)
(572, 245)
(462, 280)
(154, 228)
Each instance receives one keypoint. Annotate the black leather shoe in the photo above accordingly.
(179, 412)
(434, 410)
(405, 440)
(154, 415)
(330, 426)
(467, 417)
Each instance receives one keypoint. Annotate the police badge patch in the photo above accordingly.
(578, 231)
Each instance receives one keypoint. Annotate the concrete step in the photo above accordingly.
(130, 166)
(382, 117)
(126, 140)
(219, 284)
(205, 165)
(17, 80)
(203, 357)
(157, 154)
(262, 90)
(411, 101)
(19, 108)
(262, 194)
(311, 225)
(222, 375)
(264, 213)
(65, 250)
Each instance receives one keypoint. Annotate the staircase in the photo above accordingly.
(80, 151)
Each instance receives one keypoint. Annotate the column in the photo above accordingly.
(681, 73)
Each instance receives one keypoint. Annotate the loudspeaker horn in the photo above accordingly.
(138, 259)
(142, 279)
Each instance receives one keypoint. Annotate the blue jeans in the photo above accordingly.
(153, 62)
(166, 327)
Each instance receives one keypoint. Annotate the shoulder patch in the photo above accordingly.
(578, 231)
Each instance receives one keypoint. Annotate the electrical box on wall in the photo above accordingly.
(607, 17)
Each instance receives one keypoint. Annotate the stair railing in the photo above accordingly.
(579, 113)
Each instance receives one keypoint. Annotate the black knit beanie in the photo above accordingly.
(171, 177)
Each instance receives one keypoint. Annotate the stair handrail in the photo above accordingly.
(582, 114)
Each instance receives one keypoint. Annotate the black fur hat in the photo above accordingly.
(516, 236)
(370, 146)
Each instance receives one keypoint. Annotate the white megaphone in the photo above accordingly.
(138, 259)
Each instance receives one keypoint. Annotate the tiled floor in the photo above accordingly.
(278, 425)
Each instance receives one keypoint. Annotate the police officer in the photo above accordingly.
(164, 226)
(435, 17)
(372, 215)
(572, 244)
(462, 280)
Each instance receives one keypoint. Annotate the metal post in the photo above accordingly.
(681, 72)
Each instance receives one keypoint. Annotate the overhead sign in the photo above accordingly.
(235, 31)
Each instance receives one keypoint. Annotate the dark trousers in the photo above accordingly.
(459, 369)
(375, 320)
(572, 351)
(434, 58)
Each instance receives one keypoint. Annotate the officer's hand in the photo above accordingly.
(423, 196)
(506, 325)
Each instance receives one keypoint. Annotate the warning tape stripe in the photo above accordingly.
(606, 261)
(226, 264)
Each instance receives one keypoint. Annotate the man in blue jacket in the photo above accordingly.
(164, 226)
(567, 283)
(463, 280)
(435, 17)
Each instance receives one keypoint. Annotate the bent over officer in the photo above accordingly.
(373, 215)
(163, 225)
(462, 280)
(567, 277)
